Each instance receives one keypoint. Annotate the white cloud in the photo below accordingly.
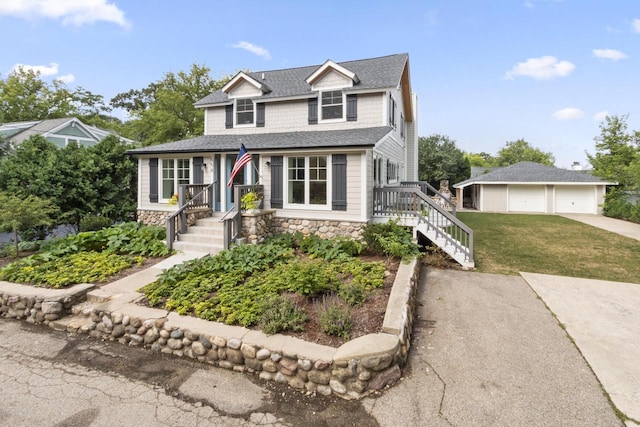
(568, 114)
(71, 12)
(543, 68)
(600, 116)
(636, 25)
(609, 54)
(51, 70)
(253, 49)
(66, 78)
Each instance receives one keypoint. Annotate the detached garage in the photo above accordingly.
(533, 188)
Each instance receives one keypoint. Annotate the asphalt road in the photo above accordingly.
(485, 352)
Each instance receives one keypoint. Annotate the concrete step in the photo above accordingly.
(204, 248)
(213, 221)
(201, 238)
(206, 229)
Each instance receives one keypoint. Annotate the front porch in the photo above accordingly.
(196, 225)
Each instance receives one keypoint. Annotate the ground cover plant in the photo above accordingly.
(289, 283)
(89, 257)
(551, 244)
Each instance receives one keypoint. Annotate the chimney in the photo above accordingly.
(576, 166)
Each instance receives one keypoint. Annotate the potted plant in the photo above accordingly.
(250, 201)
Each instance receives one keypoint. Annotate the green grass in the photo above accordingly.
(550, 244)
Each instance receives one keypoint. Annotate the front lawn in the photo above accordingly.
(550, 244)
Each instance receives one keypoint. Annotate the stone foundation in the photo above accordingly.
(257, 226)
(148, 217)
(326, 229)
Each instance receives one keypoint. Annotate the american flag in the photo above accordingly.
(243, 158)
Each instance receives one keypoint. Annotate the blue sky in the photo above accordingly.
(485, 72)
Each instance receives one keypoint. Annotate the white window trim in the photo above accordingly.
(235, 114)
(307, 205)
(344, 106)
(175, 177)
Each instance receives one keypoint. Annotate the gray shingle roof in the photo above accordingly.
(271, 141)
(374, 73)
(527, 172)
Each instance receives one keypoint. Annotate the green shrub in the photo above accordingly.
(279, 313)
(336, 248)
(93, 223)
(390, 239)
(353, 293)
(616, 206)
(335, 318)
(82, 267)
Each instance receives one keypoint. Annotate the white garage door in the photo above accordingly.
(526, 198)
(575, 199)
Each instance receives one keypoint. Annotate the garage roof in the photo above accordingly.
(533, 173)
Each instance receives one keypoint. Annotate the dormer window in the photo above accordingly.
(332, 105)
(244, 112)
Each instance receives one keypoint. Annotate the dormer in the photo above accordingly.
(243, 85)
(332, 75)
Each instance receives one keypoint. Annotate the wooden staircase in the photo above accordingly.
(206, 237)
(411, 207)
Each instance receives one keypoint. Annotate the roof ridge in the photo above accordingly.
(319, 65)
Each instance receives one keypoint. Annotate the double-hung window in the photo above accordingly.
(244, 112)
(332, 105)
(174, 173)
(307, 180)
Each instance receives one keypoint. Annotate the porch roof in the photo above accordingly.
(366, 137)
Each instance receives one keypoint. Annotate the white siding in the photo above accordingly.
(332, 79)
(293, 116)
(493, 198)
(244, 90)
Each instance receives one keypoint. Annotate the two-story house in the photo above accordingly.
(321, 138)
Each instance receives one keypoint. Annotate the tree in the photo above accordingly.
(115, 180)
(439, 158)
(617, 159)
(521, 151)
(164, 111)
(617, 156)
(18, 214)
(99, 180)
(481, 159)
(5, 146)
(25, 96)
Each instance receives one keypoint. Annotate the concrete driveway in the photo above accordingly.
(624, 228)
(487, 352)
(603, 319)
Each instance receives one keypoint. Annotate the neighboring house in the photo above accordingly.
(59, 131)
(533, 187)
(321, 137)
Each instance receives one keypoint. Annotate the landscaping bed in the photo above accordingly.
(96, 257)
(321, 290)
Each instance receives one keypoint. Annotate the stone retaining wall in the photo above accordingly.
(39, 305)
(354, 370)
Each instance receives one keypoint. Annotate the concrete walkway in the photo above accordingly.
(603, 318)
(624, 228)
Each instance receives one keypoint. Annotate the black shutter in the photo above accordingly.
(260, 115)
(339, 183)
(352, 108)
(313, 111)
(228, 123)
(276, 182)
(153, 180)
(198, 174)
